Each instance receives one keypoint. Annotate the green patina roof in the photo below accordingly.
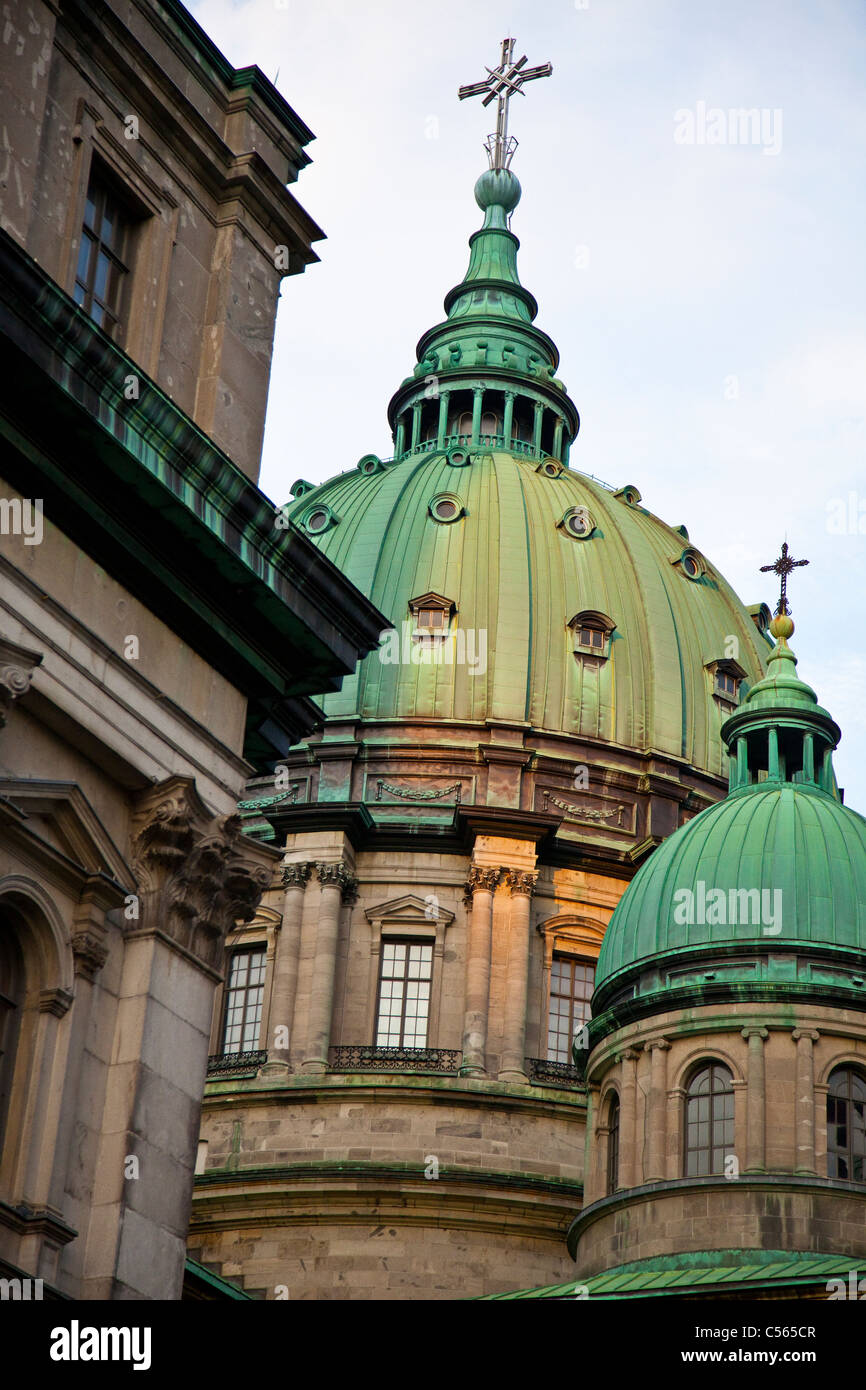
(781, 830)
(517, 576)
(724, 1270)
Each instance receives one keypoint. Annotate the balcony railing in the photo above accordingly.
(236, 1063)
(562, 1074)
(416, 1059)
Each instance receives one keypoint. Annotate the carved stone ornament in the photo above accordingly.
(479, 877)
(520, 882)
(338, 876)
(198, 874)
(17, 665)
(296, 875)
(90, 952)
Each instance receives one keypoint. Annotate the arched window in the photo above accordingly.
(464, 423)
(11, 999)
(709, 1128)
(846, 1125)
(613, 1144)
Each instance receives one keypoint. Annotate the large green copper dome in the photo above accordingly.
(765, 890)
(480, 510)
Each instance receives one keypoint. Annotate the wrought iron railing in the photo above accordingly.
(543, 1073)
(226, 1063)
(357, 1058)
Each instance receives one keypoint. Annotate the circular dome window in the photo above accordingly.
(550, 470)
(446, 508)
(458, 457)
(370, 463)
(578, 523)
(318, 520)
(691, 565)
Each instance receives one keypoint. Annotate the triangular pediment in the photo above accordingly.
(410, 910)
(59, 814)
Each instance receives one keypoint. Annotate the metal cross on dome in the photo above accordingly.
(501, 83)
(783, 567)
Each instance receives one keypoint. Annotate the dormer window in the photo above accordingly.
(727, 677)
(431, 615)
(727, 685)
(591, 633)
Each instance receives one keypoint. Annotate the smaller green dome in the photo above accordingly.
(763, 892)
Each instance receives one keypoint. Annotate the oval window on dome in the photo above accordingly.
(578, 523)
(445, 507)
(458, 456)
(690, 564)
(318, 520)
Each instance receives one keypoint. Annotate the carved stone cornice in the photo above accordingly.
(520, 882)
(198, 875)
(90, 952)
(17, 665)
(297, 875)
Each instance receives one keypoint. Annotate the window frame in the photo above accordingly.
(712, 1065)
(104, 188)
(247, 949)
(408, 942)
(612, 1166)
(852, 1073)
(574, 959)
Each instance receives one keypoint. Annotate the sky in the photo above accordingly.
(702, 276)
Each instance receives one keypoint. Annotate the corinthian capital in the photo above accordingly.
(296, 875)
(479, 877)
(520, 881)
(338, 876)
(198, 875)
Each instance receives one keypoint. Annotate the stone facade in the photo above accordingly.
(775, 1194)
(202, 154)
(312, 1169)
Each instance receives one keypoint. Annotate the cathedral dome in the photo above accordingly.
(565, 605)
(527, 555)
(765, 890)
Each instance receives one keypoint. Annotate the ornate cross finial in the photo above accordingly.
(502, 83)
(783, 567)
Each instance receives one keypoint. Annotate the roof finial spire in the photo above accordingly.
(782, 625)
(502, 82)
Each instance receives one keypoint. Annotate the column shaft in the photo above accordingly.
(336, 881)
(513, 1064)
(482, 883)
(756, 1102)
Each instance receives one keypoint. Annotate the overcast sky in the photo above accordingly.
(706, 290)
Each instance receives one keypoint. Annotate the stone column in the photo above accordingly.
(282, 1008)
(513, 1064)
(676, 1100)
(628, 1118)
(337, 885)
(756, 1101)
(443, 420)
(477, 400)
(557, 437)
(536, 432)
(655, 1169)
(508, 421)
(399, 437)
(479, 890)
(804, 1105)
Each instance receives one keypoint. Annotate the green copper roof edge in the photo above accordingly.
(237, 77)
(751, 1267)
(216, 1281)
